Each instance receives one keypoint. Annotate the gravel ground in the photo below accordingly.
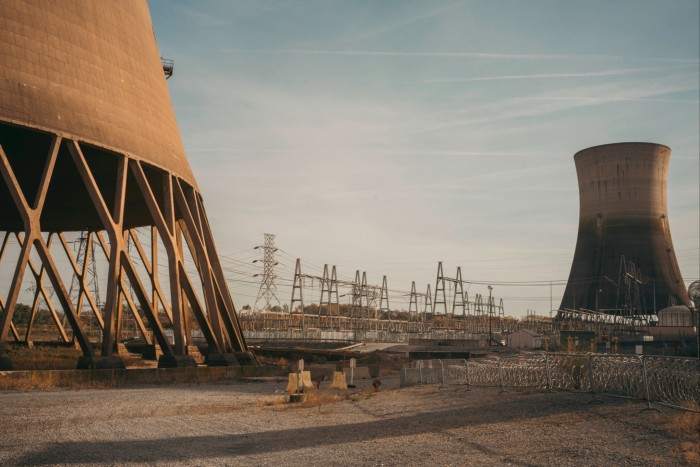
(246, 423)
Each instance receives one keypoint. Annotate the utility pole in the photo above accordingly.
(297, 285)
(428, 303)
(268, 289)
(85, 274)
(325, 288)
(356, 300)
(458, 299)
(413, 301)
(384, 298)
(364, 292)
(490, 316)
(333, 290)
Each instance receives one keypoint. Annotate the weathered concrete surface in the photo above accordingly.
(338, 381)
(91, 70)
(298, 381)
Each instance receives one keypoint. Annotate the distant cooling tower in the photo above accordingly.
(89, 151)
(624, 262)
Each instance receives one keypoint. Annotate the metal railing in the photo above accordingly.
(671, 381)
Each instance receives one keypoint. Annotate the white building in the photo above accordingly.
(525, 339)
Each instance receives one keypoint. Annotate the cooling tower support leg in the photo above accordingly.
(196, 289)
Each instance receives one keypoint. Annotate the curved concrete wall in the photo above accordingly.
(90, 70)
(622, 193)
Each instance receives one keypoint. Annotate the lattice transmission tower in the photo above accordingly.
(268, 289)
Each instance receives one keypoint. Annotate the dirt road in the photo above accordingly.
(246, 423)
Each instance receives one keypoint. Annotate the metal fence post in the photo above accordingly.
(590, 373)
(442, 372)
(466, 370)
(646, 384)
(420, 371)
(500, 374)
(546, 370)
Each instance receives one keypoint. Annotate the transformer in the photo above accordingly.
(624, 263)
(89, 143)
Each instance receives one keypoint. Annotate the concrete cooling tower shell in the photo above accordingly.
(88, 70)
(90, 150)
(623, 213)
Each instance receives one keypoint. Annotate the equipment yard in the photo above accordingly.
(249, 423)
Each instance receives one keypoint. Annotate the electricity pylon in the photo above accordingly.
(268, 289)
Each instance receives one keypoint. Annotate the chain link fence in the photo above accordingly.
(671, 381)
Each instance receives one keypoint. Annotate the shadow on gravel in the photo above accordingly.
(175, 448)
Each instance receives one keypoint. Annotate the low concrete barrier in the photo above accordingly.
(338, 381)
(298, 382)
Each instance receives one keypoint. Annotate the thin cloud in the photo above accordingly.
(522, 107)
(401, 24)
(437, 54)
(615, 99)
(377, 152)
(588, 74)
(391, 53)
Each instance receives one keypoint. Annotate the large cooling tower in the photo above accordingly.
(624, 261)
(89, 143)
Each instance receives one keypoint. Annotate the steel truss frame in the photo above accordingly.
(180, 221)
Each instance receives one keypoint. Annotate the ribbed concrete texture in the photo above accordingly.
(88, 70)
(623, 213)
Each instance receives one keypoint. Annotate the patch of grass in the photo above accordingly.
(8, 382)
(685, 425)
(42, 358)
(317, 399)
(272, 401)
(314, 398)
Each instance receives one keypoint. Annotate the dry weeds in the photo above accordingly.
(42, 358)
(45, 384)
(685, 425)
(313, 398)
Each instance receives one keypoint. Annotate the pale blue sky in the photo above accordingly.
(387, 135)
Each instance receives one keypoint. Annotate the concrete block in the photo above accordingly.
(299, 382)
(122, 351)
(339, 381)
(193, 350)
(152, 352)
